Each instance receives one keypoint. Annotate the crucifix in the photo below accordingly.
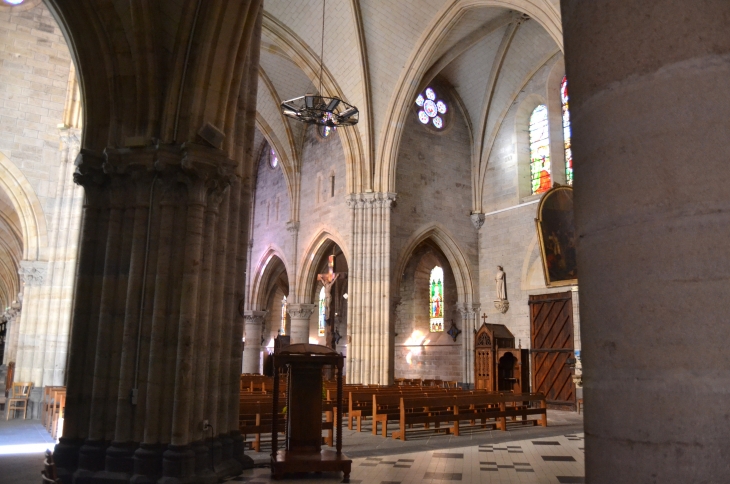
(484, 318)
(328, 280)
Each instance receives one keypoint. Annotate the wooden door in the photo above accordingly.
(551, 334)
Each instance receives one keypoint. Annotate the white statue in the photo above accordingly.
(500, 281)
(328, 282)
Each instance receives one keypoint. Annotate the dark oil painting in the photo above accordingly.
(556, 232)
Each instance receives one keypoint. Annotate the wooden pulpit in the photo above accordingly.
(303, 364)
(498, 365)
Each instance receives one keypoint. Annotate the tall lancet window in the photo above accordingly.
(436, 299)
(539, 150)
(566, 132)
(322, 321)
(282, 330)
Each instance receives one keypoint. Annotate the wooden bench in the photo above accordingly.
(423, 410)
(466, 407)
(360, 405)
(498, 407)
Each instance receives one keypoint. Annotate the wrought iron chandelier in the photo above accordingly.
(319, 109)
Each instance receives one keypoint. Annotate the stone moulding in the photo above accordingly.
(502, 305)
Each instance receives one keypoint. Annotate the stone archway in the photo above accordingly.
(420, 352)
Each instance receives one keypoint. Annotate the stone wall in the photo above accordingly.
(508, 236)
(34, 76)
(40, 131)
(434, 198)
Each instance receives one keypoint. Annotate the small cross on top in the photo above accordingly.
(484, 318)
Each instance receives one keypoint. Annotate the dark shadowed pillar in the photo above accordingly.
(650, 107)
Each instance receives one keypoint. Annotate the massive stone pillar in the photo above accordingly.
(136, 376)
(165, 165)
(370, 347)
(300, 314)
(650, 104)
(252, 348)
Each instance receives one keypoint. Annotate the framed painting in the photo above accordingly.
(556, 233)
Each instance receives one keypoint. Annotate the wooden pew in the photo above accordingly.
(470, 407)
(423, 410)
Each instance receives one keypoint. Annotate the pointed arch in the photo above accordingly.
(359, 176)
(272, 259)
(457, 259)
(311, 258)
(421, 59)
(291, 173)
(32, 221)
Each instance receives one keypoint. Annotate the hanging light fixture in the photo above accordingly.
(319, 109)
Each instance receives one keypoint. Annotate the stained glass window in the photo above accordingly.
(436, 299)
(432, 108)
(273, 159)
(322, 321)
(539, 150)
(566, 132)
(282, 330)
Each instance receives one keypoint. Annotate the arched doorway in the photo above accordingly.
(11, 252)
(328, 324)
(268, 315)
(427, 305)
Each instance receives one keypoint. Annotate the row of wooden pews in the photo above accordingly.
(407, 408)
(52, 409)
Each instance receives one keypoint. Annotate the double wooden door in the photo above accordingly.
(551, 332)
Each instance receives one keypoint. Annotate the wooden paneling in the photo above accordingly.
(551, 333)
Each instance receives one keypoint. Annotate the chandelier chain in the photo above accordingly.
(321, 50)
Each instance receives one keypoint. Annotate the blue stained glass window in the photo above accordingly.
(566, 132)
(436, 300)
(539, 150)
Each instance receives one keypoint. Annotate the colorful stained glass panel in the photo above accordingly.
(539, 150)
(566, 132)
(436, 300)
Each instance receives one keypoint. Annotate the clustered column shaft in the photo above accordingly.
(152, 320)
(370, 346)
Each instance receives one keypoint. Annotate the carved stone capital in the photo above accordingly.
(292, 227)
(301, 311)
(254, 317)
(477, 220)
(33, 273)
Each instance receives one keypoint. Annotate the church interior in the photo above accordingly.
(448, 199)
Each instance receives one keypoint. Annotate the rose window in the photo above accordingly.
(432, 108)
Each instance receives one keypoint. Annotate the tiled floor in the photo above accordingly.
(557, 459)
(520, 455)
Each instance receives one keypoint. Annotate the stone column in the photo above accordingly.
(370, 334)
(252, 349)
(469, 315)
(649, 108)
(300, 314)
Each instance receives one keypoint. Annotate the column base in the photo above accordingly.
(238, 450)
(66, 457)
(229, 466)
(204, 463)
(92, 457)
(147, 464)
(178, 465)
